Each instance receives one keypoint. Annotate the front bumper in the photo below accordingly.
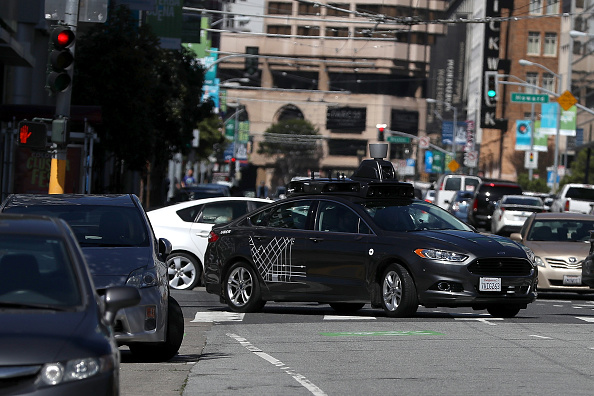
(145, 322)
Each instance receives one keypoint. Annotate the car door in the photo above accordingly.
(338, 253)
(277, 247)
(218, 212)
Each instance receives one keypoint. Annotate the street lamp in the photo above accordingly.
(525, 62)
(455, 121)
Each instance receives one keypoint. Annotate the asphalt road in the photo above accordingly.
(304, 349)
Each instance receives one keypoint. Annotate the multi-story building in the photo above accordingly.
(344, 66)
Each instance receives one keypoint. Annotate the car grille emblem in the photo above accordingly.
(572, 260)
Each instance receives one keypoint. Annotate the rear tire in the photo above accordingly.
(347, 307)
(242, 288)
(399, 293)
(504, 310)
(184, 271)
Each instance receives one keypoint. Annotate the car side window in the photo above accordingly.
(335, 217)
(222, 212)
(291, 215)
(189, 214)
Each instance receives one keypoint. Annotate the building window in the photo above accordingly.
(552, 7)
(550, 44)
(309, 9)
(532, 78)
(278, 29)
(336, 9)
(308, 30)
(533, 43)
(282, 8)
(535, 7)
(548, 82)
(334, 31)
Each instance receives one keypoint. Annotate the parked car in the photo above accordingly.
(560, 242)
(351, 242)
(187, 225)
(205, 190)
(574, 197)
(511, 211)
(55, 333)
(483, 202)
(448, 184)
(458, 205)
(121, 249)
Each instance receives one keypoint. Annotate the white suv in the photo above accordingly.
(447, 185)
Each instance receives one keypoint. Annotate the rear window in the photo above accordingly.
(497, 191)
(453, 184)
(581, 193)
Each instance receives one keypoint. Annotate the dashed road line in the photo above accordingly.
(346, 317)
(218, 317)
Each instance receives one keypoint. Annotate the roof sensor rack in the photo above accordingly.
(377, 169)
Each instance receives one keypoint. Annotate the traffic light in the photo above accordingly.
(491, 90)
(232, 165)
(32, 135)
(381, 128)
(251, 61)
(61, 59)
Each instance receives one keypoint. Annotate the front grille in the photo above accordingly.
(500, 267)
(558, 263)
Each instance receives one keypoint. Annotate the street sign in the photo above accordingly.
(529, 98)
(453, 165)
(398, 139)
(424, 142)
(566, 100)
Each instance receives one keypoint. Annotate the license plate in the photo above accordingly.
(490, 284)
(572, 279)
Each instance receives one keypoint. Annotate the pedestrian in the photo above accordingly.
(188, 178)
(262, 190)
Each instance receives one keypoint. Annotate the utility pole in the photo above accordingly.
(63, 99)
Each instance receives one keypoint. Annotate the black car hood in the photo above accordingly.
(469, 241)
(35, 336)
(112, 266)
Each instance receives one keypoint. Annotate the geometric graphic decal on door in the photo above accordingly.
(274, 260)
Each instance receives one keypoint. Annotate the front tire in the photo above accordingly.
(163, 351)
(183, 270)
(504, 311)
(242, 289)
(399, 293)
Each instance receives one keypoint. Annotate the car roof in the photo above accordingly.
(186, 204)
(70, 199)
(26, 224)
(563, 216)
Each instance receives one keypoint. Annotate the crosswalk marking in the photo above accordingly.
(218, 317)
(346, 317)
(589, 319)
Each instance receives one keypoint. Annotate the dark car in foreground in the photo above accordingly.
(350, 242)
(121, 249)
(485, 197)
(55, 329)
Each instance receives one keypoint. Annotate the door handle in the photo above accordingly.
(316, 240)
(203, 234)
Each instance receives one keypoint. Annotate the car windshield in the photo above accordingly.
(96, 225)
(411, 216)
(561, 230)
(36, 273)
(527, 201)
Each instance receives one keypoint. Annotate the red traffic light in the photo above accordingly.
(62, 37)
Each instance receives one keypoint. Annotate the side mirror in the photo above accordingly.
(164, 247)
(516, 236)
(118, 297)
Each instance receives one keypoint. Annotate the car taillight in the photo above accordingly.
(212, 237)
(566, 205)
(475, 205)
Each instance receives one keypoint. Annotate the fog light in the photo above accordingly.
(443, 286)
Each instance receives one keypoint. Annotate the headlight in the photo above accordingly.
(436, 254)
(75, 369)
(143, 278)
(538, 261)
(531, 255)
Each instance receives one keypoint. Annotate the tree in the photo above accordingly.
(295, 144)
(150, 98)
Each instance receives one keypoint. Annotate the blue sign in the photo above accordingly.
(428, 161)
(447, 133)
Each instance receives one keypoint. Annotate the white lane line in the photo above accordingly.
(586, 318)
(307, 384)
(346, 317)
(218, 317)
(539, 336)
(483, 320)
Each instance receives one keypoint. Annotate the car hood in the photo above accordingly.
(112, 266)
(559, 249)
(473, 242)
(32, 336)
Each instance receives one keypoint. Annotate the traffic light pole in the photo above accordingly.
(63, 100)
